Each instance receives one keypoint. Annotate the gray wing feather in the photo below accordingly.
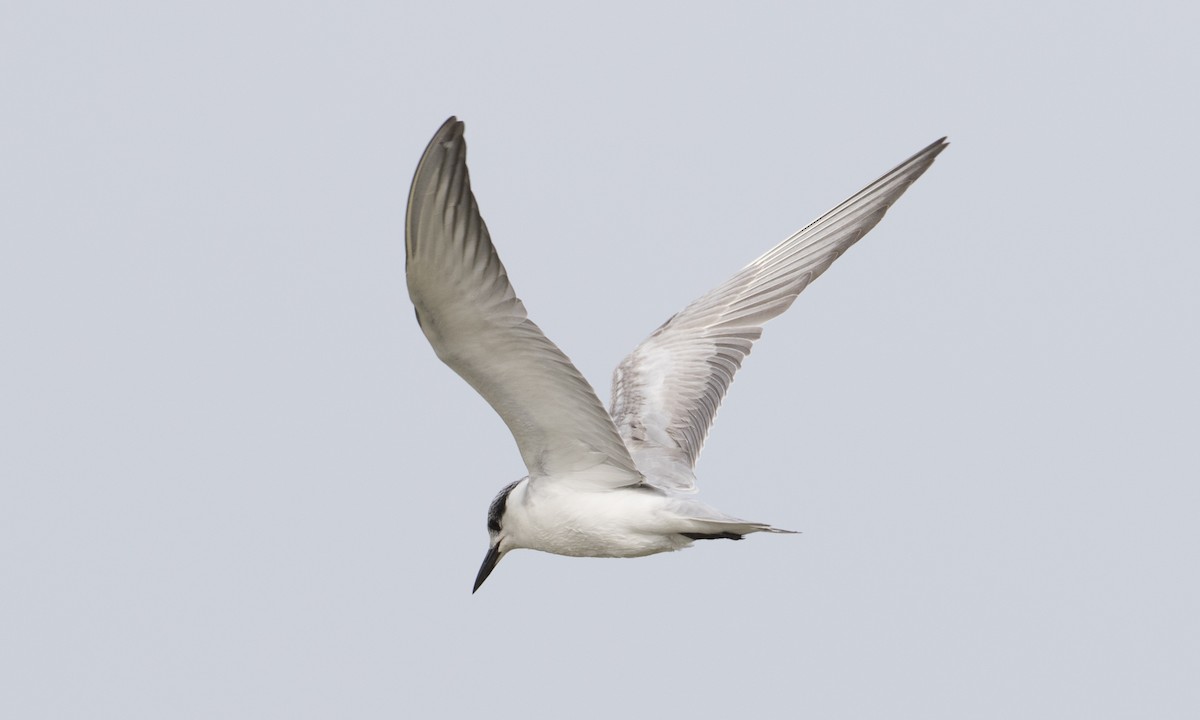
(666, 393)
(473, 319)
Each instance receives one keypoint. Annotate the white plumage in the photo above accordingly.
(618, 483)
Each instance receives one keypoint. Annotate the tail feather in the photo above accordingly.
(713, 536)
(731, 529)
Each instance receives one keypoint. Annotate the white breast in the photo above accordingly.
(555, 517)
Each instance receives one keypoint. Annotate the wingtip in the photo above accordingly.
(938, 145)
(452, 129)
(925, 155)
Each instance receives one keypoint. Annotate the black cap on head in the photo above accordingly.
(496, 509)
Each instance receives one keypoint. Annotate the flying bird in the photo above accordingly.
(621, 482)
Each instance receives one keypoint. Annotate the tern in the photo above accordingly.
(621, 482)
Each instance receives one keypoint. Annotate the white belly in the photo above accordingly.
(608, 523)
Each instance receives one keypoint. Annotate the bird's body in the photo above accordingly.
(553, 515)
(626, 522)
(616, 483)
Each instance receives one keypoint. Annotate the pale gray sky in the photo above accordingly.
(237, 483)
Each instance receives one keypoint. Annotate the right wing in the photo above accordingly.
(666, 392)
(475, 323)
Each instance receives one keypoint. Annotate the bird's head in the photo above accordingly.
(498, 542)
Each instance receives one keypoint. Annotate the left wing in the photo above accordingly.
(472, 317)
